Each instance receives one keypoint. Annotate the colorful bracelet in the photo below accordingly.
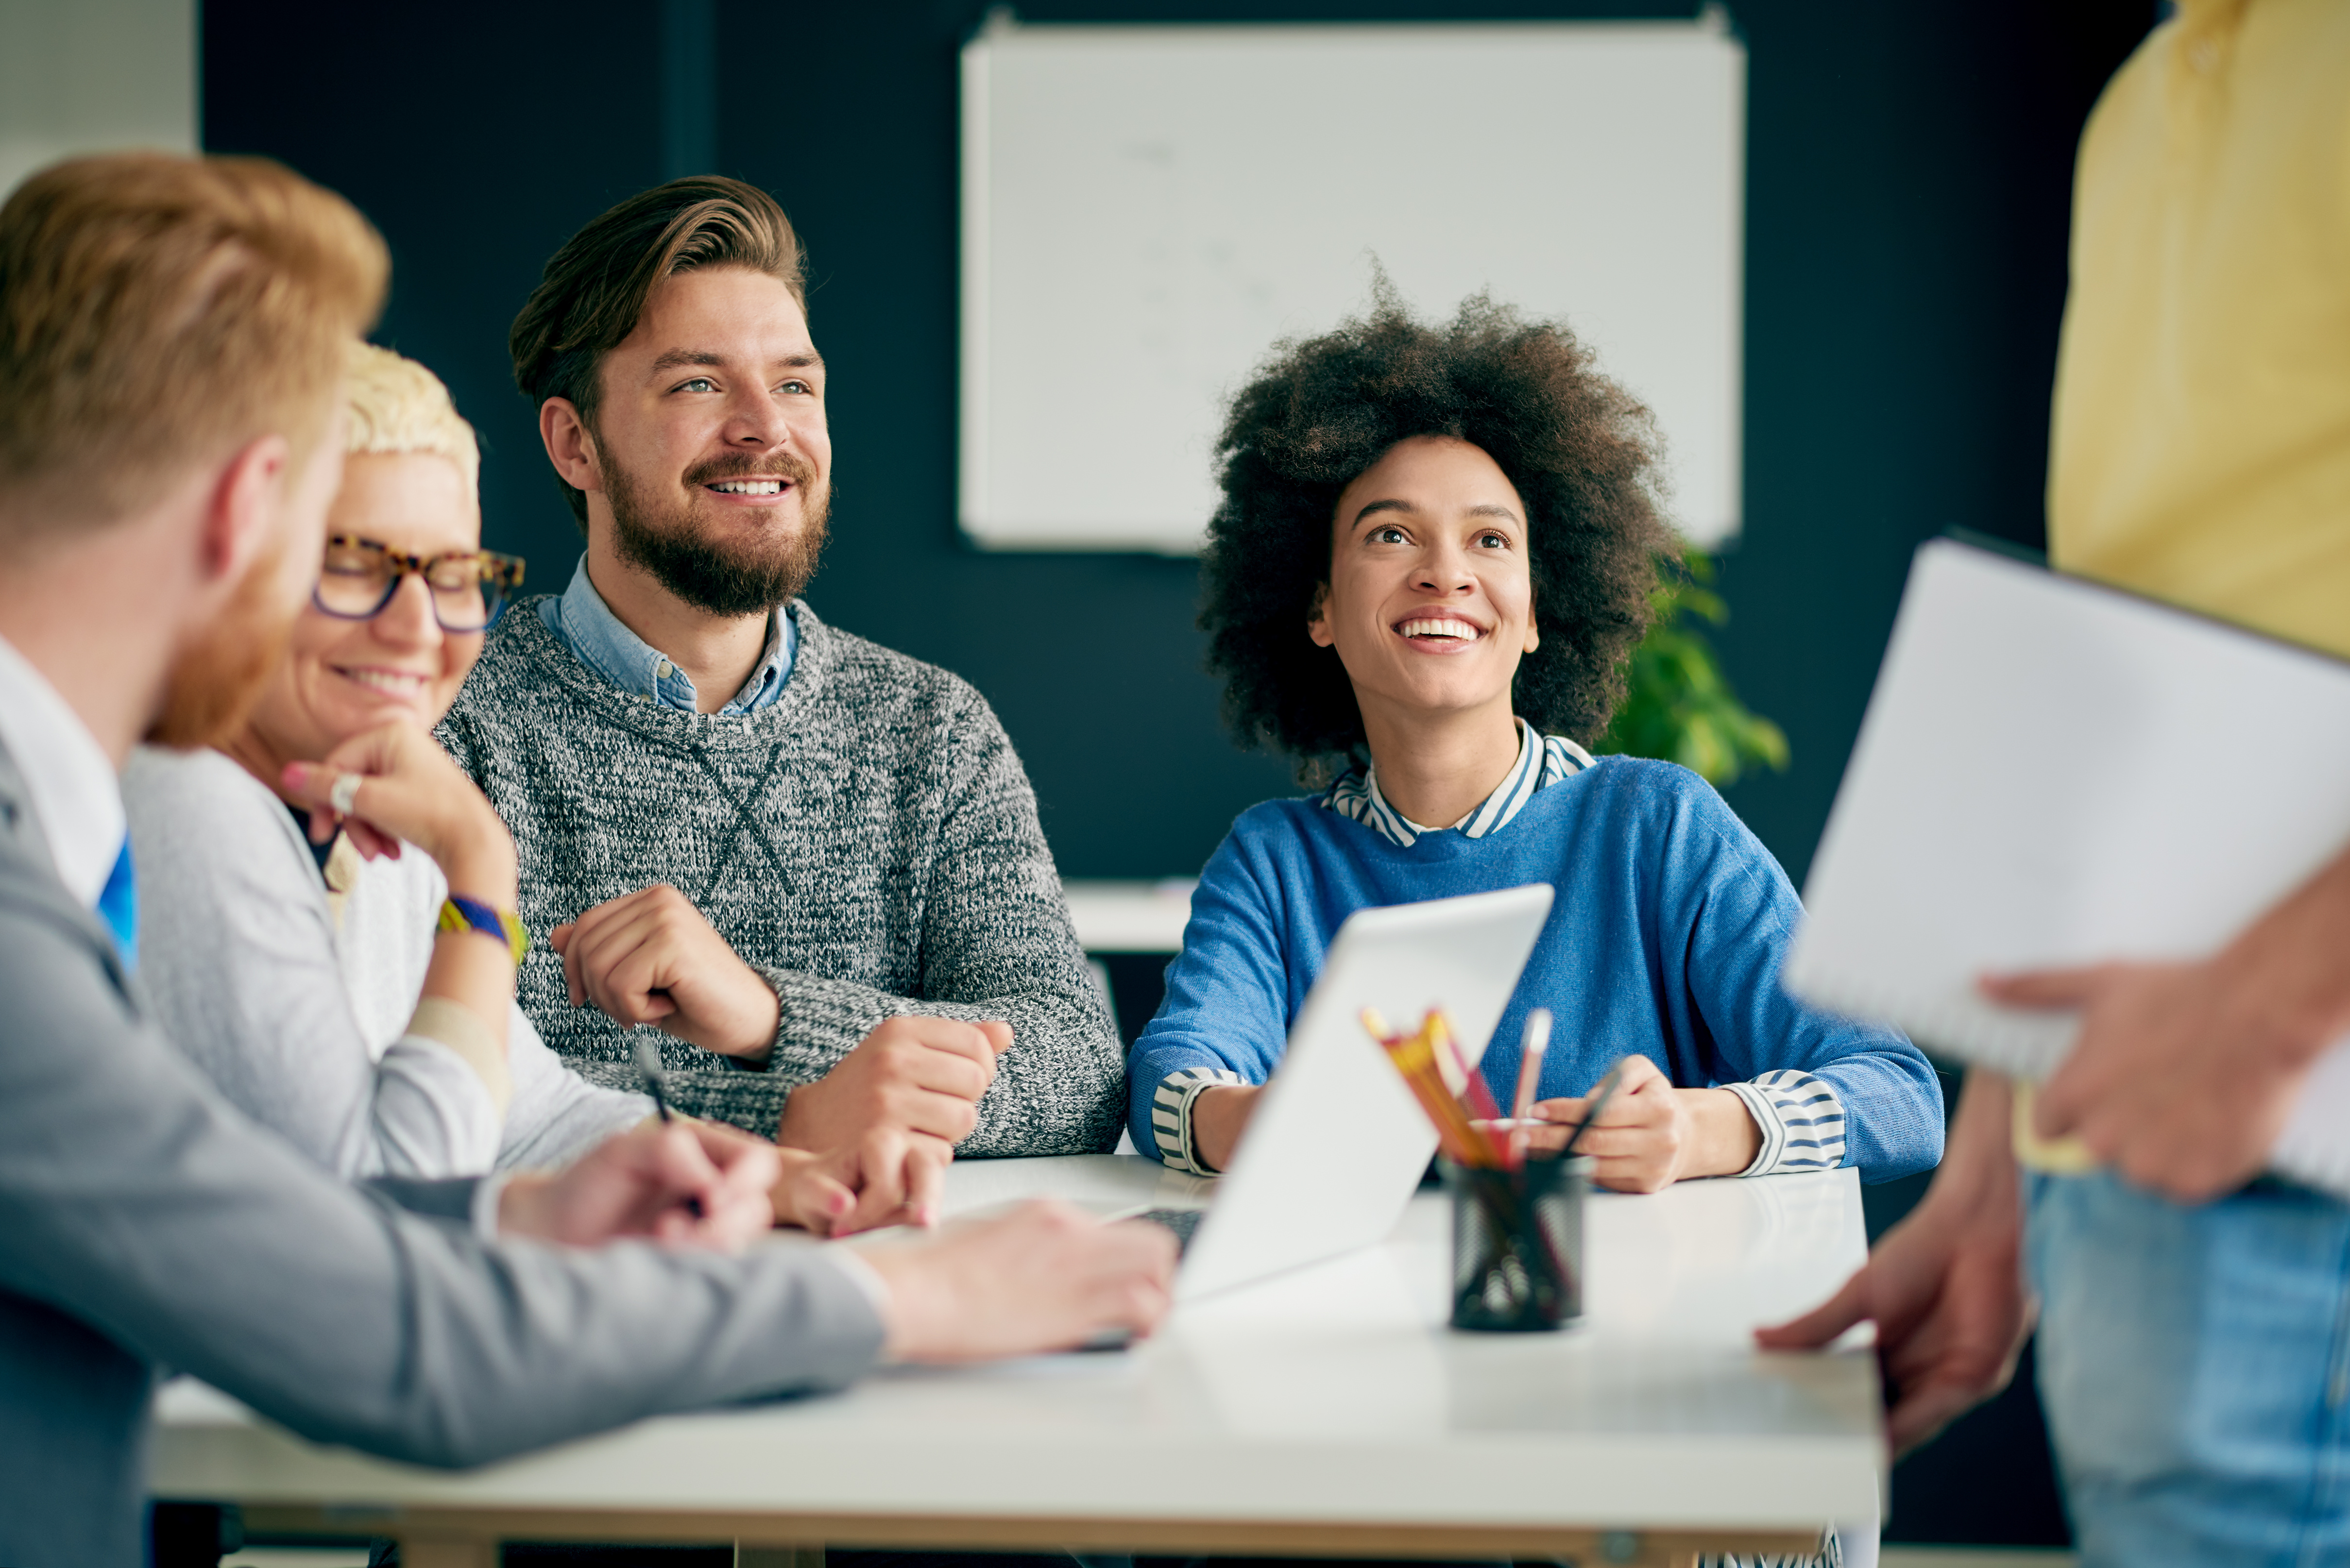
(461, 914)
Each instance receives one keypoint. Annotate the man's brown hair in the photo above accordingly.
(594, 290)
(157, 311)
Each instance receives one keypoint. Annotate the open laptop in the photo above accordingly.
(1338, 1144)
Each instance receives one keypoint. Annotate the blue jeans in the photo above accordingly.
(2194, 1363)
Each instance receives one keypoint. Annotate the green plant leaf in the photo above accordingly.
(1678, 705)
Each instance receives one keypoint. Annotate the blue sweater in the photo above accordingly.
(1666, 938)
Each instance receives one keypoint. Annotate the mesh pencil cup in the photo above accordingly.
(1517, 1244)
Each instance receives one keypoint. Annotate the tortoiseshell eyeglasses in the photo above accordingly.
(470, 589)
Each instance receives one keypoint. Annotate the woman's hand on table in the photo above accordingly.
(1219, 1116)
(889, 1177)
(685, 1183)
(1652, 1134)
(1043, 1277)
(394, 783)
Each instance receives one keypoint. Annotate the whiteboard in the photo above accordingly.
(1145, 210)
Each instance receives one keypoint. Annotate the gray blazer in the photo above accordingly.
(144, 1222)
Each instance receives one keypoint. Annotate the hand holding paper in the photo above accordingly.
(2160, 843)
(2186, 1075)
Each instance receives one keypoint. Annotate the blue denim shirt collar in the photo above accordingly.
(585, 624)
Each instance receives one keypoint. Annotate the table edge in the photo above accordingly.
(1629, 1542)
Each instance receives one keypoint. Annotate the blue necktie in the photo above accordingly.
(118, 906)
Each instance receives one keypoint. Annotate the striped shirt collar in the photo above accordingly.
(1543, 760)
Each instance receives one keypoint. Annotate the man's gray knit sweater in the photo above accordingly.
(868, 843)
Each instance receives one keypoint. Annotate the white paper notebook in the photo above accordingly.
(2055, 773)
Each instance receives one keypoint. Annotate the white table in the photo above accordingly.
(1130, 917)
(1326, 1411)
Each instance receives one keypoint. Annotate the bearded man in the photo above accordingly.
(208, 305)
(814, 864)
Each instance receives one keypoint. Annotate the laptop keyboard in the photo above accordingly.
(1182, 1221)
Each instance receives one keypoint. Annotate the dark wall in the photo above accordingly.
(1908, 174)
(1908, 180)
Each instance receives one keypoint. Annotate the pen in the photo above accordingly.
(1531, 1047)
(649, 1070)
(656, 1081)
(1599, 1098)
(1531, 1043)
(1476, 1099)
(1414, 1056)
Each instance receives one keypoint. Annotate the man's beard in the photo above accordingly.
(724, 578)
(219, 673)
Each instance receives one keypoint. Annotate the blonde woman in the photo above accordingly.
(331, 977)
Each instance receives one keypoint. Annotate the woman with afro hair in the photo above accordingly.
(1433, 556)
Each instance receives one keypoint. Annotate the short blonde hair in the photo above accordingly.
(396, 405)
(158, 311)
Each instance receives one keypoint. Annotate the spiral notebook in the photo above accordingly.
(2055, 773)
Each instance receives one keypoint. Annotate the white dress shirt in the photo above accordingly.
(67, 772)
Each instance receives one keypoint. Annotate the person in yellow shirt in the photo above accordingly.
(2200, 450)
(2194, 1314)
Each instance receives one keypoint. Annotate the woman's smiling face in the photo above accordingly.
(340, 677)
(1430, 598)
